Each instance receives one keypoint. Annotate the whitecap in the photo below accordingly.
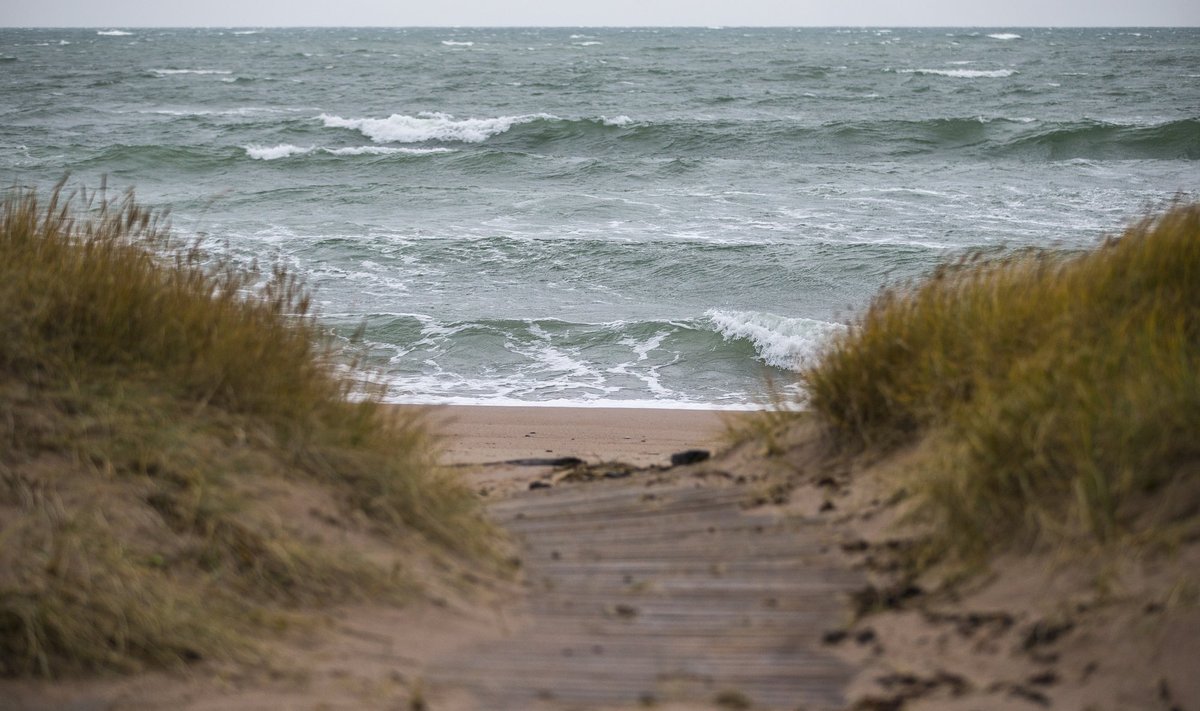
(113, 33)
(620, 121)
(288, 150)
(452, 43)
(246, 32)
(1004, 36)
(964, 73)
(428, 126)
(275, 152)
(384, 151)
(587, 44)
(246, 111)
(789, 343)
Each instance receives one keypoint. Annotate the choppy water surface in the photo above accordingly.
(609, 215)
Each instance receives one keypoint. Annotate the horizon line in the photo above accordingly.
(593, 27)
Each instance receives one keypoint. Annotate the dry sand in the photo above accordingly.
(1035, 632)
(643, 437)
(375, 657)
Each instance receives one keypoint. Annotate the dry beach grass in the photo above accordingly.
(1057, 394)
(1007, 450)
(168, 424)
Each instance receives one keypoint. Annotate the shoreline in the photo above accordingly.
(491, 434)
(585, 405)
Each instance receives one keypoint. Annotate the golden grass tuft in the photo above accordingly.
(170, 429)
(1058, 395)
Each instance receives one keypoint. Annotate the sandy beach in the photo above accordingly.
(642, 437)
(629, 585)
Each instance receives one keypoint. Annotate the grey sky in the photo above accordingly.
(225, 13)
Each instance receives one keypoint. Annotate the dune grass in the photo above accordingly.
(177, 443)
(1055, 396)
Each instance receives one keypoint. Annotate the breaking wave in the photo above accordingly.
(548, 359)
(963, 73)
(429, 126)
(288, 150)
(1171, 140)
(787, 343)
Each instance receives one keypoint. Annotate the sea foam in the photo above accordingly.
(275, 152)
(383, 151)
(288, 150)
(788, 343)
(428, 126)
(113, 33)
(1005, 36)
(964, 73)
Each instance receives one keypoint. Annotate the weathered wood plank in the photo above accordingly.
(665, 592)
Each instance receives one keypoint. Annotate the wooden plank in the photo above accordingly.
(667, 590)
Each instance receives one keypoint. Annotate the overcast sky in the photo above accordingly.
(402, 13)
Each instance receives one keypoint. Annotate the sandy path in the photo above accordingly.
(656, 588)
(659, 586)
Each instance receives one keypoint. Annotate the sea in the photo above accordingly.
(644, 217)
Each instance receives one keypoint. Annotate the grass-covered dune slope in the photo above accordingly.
(1052, 397)
(173, 433)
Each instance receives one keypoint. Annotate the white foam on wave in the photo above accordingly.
(650, 376)
(241, 111)
(288, 150)
(176, 72)
(1004, 36)
(452, 43)
(620, 121)
(591, 43)
(275, 152)
(602, 404)
(246, 32)
(384, 151)
(429, 126)
(964, 73)
(788, 343)
(113, 33)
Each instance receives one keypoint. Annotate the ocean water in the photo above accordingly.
(609, 216)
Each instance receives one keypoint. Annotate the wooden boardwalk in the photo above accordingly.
(661, 588)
